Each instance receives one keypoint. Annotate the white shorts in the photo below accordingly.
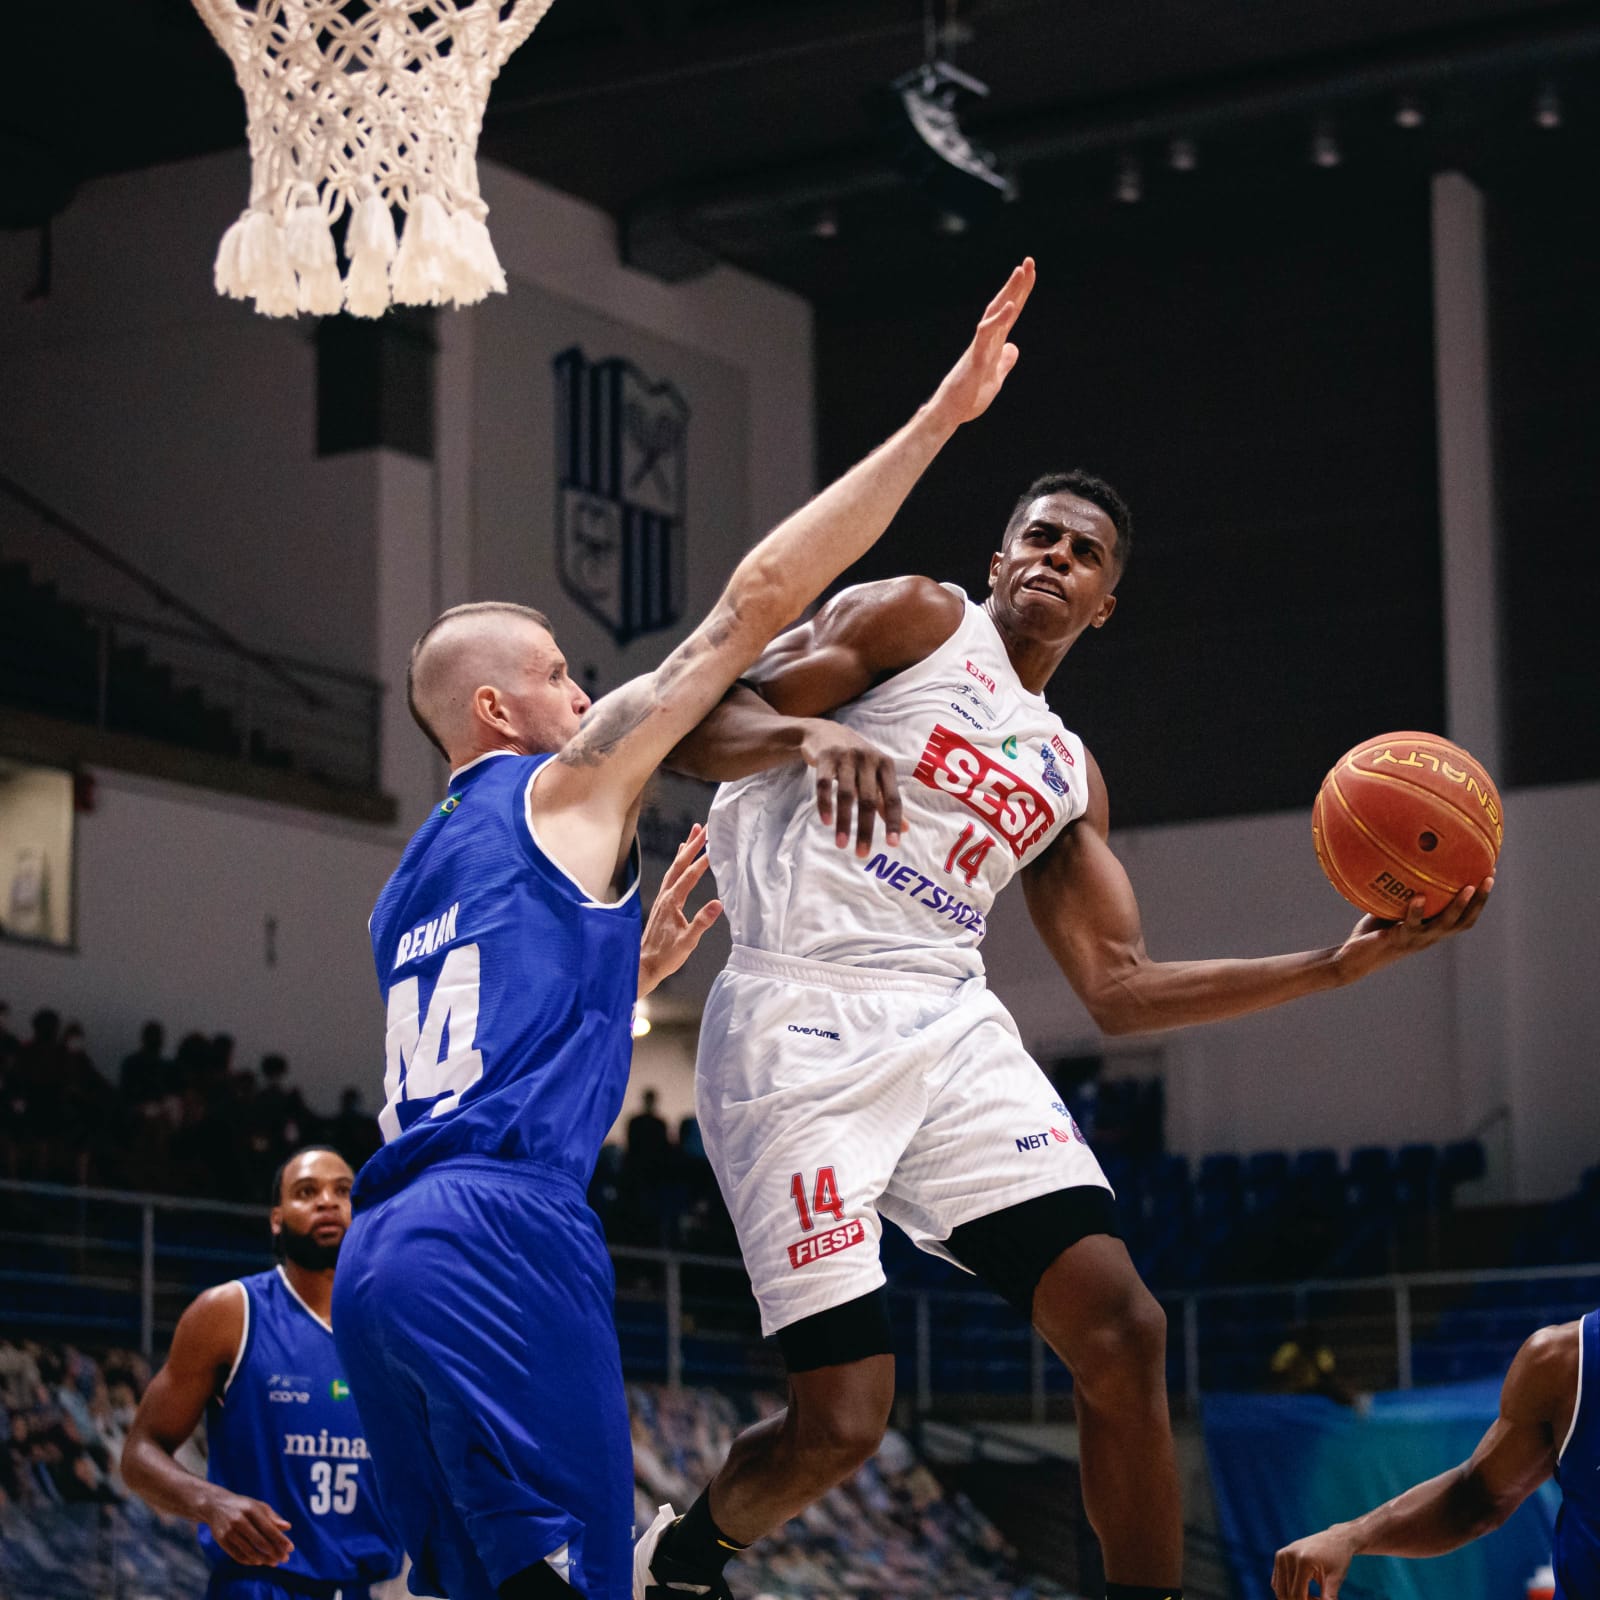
(831, 1096)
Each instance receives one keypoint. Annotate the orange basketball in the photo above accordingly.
(1403, 816)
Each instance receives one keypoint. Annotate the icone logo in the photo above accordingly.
(286, 1396)
(817, 1245)
(1016, 810)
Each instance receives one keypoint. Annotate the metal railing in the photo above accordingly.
(109, 1267)
(160, 667)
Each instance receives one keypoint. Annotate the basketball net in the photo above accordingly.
(356, 107)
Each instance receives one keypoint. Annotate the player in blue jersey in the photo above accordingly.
(1549, 1424)
(474, 1306)
(289, 1505)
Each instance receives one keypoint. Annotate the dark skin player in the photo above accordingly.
(1053, 578)
(313, 1213)
(1513, 1458)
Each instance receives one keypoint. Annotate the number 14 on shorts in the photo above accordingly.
(825, 1201)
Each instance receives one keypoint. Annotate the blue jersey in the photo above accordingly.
(1576, 1556)
(286, 1432)
(509, 992)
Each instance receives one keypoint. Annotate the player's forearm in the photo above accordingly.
(1430, 1519)
(1148, 996)
(151, 1473)
(783, 574)
(741, 736)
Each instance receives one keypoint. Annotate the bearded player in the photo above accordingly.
(288, 1505)
(852, 1063)
(473, 1308)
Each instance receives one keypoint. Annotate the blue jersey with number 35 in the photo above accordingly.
(285, 1431)
(509, 991)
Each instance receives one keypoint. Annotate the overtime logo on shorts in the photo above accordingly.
(621, 459)
(1007, 803)
(828, 1243)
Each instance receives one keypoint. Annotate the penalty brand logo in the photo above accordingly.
(817, 1245)
(621, 464)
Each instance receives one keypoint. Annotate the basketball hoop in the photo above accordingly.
(355, 107)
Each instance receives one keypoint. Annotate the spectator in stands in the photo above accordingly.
(144, 1075)
(1304, 1364)
(648, 1144)
(191, 1066)
(88, 1100)
(280, 1112)
(8, 1040)
(354, 1133)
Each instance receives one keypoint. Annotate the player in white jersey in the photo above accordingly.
(852, 1063)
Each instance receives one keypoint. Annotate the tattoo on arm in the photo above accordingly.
(608, 723)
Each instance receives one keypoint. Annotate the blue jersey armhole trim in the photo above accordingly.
(248, 1338)
(540, 855)
(1577, 1399)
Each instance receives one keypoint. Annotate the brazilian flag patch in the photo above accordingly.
(339, 1389)
(450, 804)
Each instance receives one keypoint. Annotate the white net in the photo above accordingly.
(361, 107)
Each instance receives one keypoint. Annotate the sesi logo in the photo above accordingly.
(1012, 807)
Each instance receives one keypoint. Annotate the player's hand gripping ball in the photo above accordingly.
(1406, 816)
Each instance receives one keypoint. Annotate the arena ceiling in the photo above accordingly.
(752, 130)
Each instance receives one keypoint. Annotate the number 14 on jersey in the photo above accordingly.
(967, 854)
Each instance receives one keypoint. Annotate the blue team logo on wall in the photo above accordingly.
(621, 456)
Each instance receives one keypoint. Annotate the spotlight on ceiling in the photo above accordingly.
(951, 223)
(1547, 112)
(1183, 155)
(825, 224)
(1408, 112)
(1325, 151)
(1129, 187)
(962, 177)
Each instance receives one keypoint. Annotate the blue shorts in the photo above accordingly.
(266, 1583)
(473, 1314)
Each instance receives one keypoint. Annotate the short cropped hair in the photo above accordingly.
(288, 1161)
(472, 608)
(1085, 486)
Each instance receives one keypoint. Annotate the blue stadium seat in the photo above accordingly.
(1461, 1162)
(1416, 1173)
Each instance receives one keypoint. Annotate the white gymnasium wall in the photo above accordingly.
(176, 890)
(1384, 1061)
(180, 427)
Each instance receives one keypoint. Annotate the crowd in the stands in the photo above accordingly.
(192, 1122)
(893, 1530)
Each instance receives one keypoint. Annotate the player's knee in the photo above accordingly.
(1129, 1346)
(836, 1440)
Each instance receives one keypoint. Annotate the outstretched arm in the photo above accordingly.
(777, 713)
(1513, 1458)
(582, 800)
(1083, 905)
(203, 1349)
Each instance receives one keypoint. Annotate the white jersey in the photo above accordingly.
(988, 777)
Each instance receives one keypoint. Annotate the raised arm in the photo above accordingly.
(583, 802)
(1512, 1459)
(1084, 908)
(203, 1349)
(777, 713)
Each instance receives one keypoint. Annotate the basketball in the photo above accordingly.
(1403, 816)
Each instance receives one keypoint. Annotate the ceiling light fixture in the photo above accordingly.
(1325, 151)
(1183, 155)
(1129, 187)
